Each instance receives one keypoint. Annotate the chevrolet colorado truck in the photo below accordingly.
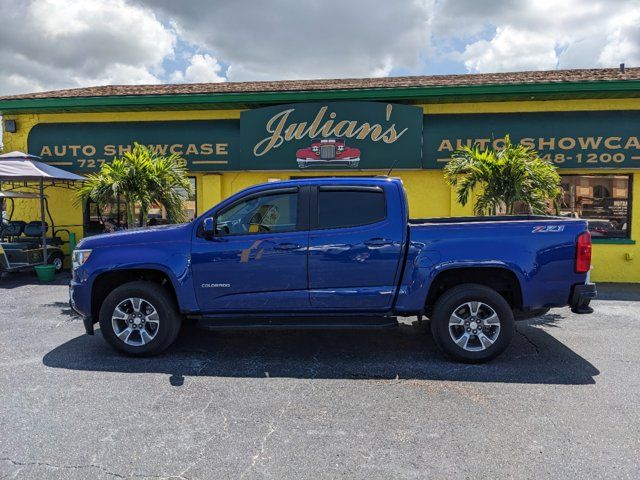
(332, 252)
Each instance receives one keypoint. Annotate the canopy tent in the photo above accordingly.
(18, 166)
(22, 166)
(19, 195)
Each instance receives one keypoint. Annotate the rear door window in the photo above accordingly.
(350, 208)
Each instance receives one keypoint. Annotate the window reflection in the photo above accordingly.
(158, 216)
(604, 200)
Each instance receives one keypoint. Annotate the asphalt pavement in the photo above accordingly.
(562, 402)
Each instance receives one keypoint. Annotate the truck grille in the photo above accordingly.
(327, 152)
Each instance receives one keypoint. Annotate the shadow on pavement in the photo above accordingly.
(407, 352)
(65, 309)
(28, 277)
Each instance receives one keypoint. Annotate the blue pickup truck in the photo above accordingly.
(331, 252)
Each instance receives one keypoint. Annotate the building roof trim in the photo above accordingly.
(429, 93)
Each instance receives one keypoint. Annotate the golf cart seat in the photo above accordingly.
(31, 239)
(12, 229)
(34, 229)
(11, 235)
(33, 235)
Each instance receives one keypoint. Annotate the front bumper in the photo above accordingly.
(86, 318)
(581, 297)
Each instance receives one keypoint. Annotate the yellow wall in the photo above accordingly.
(428, 194)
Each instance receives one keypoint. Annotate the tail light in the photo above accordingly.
(583, 253)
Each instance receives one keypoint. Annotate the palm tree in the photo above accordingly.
(514, 174)
(140, 177)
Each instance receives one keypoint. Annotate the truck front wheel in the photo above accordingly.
(139, 318)
(472, 323)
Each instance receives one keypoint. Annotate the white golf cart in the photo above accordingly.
(21, 242)
(26, 244)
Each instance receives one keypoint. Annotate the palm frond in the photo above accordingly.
(502, 178)
(141, 177)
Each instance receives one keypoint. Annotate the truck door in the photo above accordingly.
(355, 246)
(257, 258)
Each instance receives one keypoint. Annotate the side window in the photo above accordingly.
(604, 200)
(268, 213)
(346, 208)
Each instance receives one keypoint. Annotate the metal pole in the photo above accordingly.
(42, 224)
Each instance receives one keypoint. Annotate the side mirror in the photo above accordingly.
(208, 227)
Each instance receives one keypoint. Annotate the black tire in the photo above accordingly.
(57, 259)
(450, 303)
(168, 322)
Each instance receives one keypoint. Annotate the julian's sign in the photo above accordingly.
(363, 135)
(324, 125)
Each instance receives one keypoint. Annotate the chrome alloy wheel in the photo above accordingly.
(474, 326)
(135, 321)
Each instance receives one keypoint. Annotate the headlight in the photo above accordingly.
(79, 257)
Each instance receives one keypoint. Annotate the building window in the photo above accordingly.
(111, 218)
(158, 216)
(603, 200)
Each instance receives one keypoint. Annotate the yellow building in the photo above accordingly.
(234, 135)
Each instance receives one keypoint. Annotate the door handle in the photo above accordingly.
(377, 242)
(286, 246)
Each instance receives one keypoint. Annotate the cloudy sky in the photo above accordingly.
(52, 44)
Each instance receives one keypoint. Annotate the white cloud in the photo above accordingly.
(511, 50)
(623, 40)
(290, 39)
(119, 74)
(201, 69)
(544, 34)
(47, 44)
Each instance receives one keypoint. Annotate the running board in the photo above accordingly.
(297, 323)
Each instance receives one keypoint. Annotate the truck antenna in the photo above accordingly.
(392, 166)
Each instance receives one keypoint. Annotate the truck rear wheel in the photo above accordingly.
(139, 318)
(472, 323)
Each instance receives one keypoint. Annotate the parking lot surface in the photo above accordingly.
(562, 402)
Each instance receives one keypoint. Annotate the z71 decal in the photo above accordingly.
(547, 228)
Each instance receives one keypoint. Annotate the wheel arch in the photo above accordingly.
(501, 279)
(108, 280)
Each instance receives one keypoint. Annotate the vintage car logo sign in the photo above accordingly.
(328, 153)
